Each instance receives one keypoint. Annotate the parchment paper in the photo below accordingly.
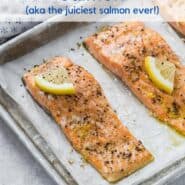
(166, 145)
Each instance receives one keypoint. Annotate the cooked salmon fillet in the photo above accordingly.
(89, 122)
(122, 49)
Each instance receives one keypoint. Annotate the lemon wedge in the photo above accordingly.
(55, 81)
(162, 73)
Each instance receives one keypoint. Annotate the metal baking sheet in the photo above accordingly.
(167, 146)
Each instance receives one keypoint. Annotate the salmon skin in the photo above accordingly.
(122, 49)
(89, 122)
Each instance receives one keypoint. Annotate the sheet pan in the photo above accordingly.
(167, 146)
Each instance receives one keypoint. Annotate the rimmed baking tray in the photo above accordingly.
(43, 137)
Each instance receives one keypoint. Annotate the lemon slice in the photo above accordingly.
(162, 73)
(55, 81)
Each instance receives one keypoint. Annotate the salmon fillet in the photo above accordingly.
(122, 49)
(89, 122)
